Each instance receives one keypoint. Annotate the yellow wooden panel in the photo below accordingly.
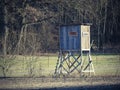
(85, 38)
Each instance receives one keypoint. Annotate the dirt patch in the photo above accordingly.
(35, 83)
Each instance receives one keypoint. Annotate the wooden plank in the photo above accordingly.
(85, 38)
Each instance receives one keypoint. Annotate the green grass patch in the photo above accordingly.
(37, 66)
(107, 65)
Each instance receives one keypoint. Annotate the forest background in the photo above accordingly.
(32, 26)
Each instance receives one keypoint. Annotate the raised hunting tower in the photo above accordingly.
(74, 42)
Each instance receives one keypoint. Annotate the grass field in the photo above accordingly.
(41, 70)
(37, 66)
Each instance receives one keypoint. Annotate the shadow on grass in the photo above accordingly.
(98, 87)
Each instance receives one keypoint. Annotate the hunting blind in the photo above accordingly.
(74, 39)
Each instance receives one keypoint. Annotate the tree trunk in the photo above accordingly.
(5, 40)
(104, 29)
